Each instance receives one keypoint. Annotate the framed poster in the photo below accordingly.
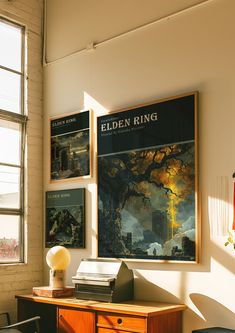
(70, 146)
(65, 218)
(148, 183)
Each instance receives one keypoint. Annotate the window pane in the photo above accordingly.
(10, 91)
(9, 238)
(10, 140)
(10, 41)
(9, 187)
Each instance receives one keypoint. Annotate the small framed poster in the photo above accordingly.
(71, 146)
(65, 218)
(148, 182)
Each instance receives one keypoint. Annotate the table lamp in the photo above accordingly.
(58, 259)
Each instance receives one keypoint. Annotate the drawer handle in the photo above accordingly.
(119, 321)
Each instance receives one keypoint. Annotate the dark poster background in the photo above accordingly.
(65, 218)
(146, 182)
(70, 146)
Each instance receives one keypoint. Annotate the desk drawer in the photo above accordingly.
(121, 322)
(109, 330)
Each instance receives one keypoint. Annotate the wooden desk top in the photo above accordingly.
(134, 307)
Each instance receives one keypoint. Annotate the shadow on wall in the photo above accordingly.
(153, 292)
(157, 294)
(214, 313)
(192, 321)
(223, 257)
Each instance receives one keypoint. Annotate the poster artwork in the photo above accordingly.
(70, 146)
(65, 218)
(147, 182)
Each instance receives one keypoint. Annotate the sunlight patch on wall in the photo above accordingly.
(219, 207)
(92, 103)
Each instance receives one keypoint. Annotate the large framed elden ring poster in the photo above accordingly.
(148, 182)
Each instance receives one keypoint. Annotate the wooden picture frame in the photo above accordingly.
(148, 182)
(70, 137)
(65, 218)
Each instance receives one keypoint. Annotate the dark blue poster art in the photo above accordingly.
(147, 182)
(70, 146)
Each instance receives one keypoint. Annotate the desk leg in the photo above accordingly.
(166, 323)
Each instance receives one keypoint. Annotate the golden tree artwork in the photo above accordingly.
(147, 182)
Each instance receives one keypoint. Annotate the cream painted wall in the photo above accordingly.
(193, 50)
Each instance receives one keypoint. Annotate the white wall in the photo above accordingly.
(19, 279)
(193, 50)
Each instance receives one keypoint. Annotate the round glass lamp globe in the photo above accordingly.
(58, 258)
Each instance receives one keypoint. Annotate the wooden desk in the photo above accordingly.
(71, 315)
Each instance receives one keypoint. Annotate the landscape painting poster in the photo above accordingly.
(70, 146)
(147, 182)
(65, 218)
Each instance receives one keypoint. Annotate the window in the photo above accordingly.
(12, 141)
